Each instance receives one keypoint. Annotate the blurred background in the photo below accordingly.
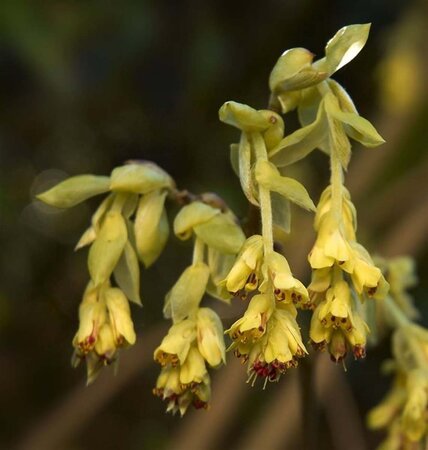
(86, 85)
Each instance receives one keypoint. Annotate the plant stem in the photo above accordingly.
(198, 251)
(336, 181)
(264, 196)
(119, 201)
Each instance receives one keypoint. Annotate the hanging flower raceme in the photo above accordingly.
(196, 337)
(404, 409)
(129, 224)
(329, 120)
(267, 337)
(105, 327)
(343, 272)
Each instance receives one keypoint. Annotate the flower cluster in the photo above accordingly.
(196, 337)
(343, 271)
(105, 327)
(183, 355)
(130, 224)
(404, 409)
(344, 276)
(267, 337)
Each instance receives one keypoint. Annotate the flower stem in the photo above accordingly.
(119, 201)
(198, 251)
(264, 196)
(336, 181)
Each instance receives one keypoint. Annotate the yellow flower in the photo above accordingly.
(331, 245)
(252, 325)
(365, 275)
(349, 213)
(335, 317)
(92, 315)
(178, 396)
(287, 289)
(415, 410)
(245, 273)
(175, 346)
(277, 350)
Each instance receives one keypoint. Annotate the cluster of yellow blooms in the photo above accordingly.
(131, 224)
(196, 336)
(344, 275)
(404, 409)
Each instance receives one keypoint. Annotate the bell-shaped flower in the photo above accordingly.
(210, 337)
(178, 396)
(349, 213)
(279, 348)
(252, 325)
(331, 245)
(365, 275)
(336, 316)
(246, 272)
(120, 317)
(175, 346)
(92, 316)
(286, 288)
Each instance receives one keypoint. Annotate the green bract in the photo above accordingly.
(186, 294)
(139, 178)
(107, 247)
(75, 190)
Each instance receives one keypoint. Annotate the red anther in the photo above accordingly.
(359, 351)
(199, 404)
(336, 359)
(371, 291)
(318, 345)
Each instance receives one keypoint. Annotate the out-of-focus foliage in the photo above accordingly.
(85, 86)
